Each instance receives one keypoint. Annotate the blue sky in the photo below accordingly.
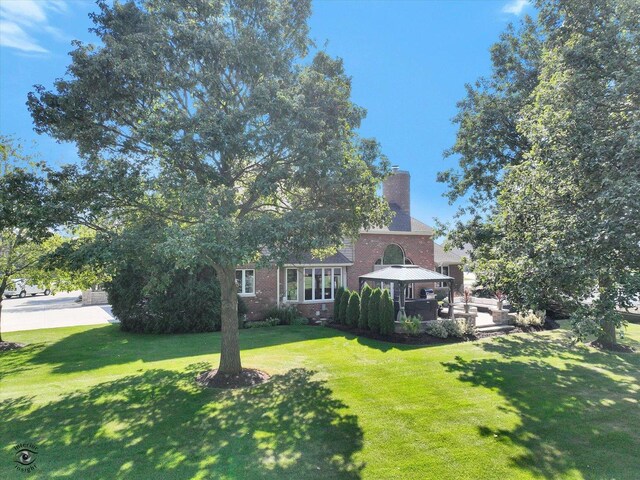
(409, 61)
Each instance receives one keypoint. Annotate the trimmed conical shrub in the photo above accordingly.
(373, 319)
(386, 314)
(364, 307)
(344, 303)
(336, 304)
(353, 309)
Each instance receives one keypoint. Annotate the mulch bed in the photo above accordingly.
(402, 338)
(6, 346)
(247, 378)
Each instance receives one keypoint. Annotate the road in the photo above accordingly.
(60, 310)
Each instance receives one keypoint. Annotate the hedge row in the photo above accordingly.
(372, 311)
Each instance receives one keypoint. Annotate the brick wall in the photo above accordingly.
(266, 293)
(370, 247)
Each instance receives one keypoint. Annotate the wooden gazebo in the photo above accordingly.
(402, 275)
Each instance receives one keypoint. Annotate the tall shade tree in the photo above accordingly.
(565, 221)
(242, 143)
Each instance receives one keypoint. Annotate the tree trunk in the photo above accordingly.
(230, 346)
(608, 335)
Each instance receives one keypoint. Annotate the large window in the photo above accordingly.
(393, 255)
(321, 283)
(246, 281)
(292, 284)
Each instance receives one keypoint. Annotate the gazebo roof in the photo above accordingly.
(406, 274)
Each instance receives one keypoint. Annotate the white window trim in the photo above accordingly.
(244, 271)
(301, 278)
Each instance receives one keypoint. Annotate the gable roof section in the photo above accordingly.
(452, 257)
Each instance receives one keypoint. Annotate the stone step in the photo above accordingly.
(495, 328)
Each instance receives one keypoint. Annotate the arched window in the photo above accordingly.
(393, 255)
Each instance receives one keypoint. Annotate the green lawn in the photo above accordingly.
(102, 404)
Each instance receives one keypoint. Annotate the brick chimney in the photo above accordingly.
(396, 189)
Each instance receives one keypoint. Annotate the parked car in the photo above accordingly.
(20, 288)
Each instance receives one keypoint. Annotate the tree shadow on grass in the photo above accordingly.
(159, 424)
(579, 413)
(98, 347)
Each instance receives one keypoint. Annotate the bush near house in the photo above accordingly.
(386, 313)
(373, 320)
(364, 306)
(185, 302)
(353, 309)
(344, 303)
(336, 304)
(285, 315)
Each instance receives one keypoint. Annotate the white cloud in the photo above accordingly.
(21, 19)
(515, 7)
(13, 36)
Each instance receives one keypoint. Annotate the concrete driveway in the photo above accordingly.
(60, 310)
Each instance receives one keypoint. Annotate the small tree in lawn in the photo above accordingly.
(364, 307)
(344, 305)
(246, 147)
(386, 313)
(373, 319)
(336, 304)
(353, 309)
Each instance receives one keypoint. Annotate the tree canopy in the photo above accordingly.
(561, 213)
(213, 115)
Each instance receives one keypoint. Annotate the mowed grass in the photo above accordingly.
(102, 404)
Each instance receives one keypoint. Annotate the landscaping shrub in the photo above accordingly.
(344, 303)
(449, 328)
(373, 320)
(386, 313)
(458, 327)
(336, 304)
(269, 322)
(436, 328)
(300, 321)
(286, 314)
(530, 319)
(151, 296)
(411, 325)
(353, 309)
(364, 307)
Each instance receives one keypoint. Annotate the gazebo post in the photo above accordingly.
(451, 314)
(401, 313)
(361, 285)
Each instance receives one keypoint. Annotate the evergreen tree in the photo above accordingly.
(386, 313)
(336, 304)
(364, 307)
(373, 319)
(353, 309)
(344, 303)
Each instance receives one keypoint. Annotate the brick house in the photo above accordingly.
(310, 283)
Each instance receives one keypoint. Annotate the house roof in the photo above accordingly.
(403, 222)
(307, 259)
(405, 273)
(442, 257)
